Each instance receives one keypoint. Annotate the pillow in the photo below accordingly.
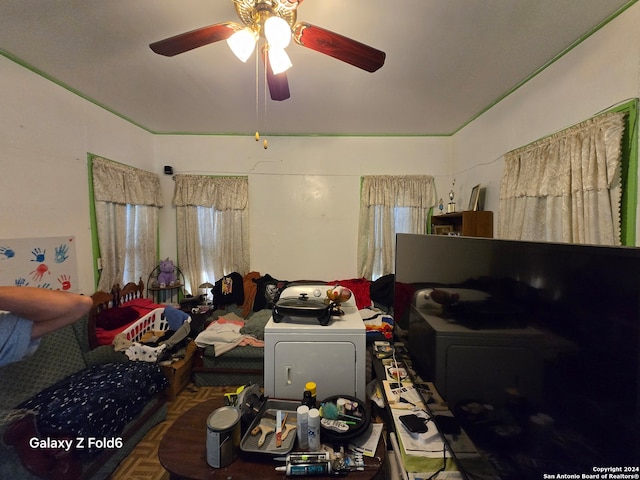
(175, 318)
(268, 290)
(113, 318)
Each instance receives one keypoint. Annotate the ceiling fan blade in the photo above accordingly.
(278, 84)
(338, 46)
(195, 38)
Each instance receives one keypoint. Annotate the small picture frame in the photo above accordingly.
(473, 200)
(443, 229)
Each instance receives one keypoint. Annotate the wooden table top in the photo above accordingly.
(183, 453)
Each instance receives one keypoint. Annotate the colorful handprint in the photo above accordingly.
(39, 254)
(65, 282)
(47, 263)
(61, 253)
(39, 272)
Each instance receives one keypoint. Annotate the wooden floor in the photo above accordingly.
(143, 463)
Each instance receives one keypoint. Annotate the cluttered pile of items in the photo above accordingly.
(303, 438)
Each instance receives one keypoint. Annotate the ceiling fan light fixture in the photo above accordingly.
(279, 60)
(289, 4)
(242, 43)
(277, 32)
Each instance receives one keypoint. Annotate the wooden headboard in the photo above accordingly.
(113, 299)
(129, 292)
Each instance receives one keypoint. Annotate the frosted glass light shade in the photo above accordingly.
(277, 32)
(242, 43)
(279, 60)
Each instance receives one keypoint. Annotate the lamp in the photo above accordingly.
(242, 43)
(205, 286)
(279, 60)
(277, 32)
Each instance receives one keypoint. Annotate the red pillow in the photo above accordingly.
(116, 317)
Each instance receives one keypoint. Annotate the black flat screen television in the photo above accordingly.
(585, 302)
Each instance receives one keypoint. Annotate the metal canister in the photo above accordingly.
(223, 436)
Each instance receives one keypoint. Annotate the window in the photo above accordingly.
(390, 205)
(577, 185)
(126, 203)
(212, 224)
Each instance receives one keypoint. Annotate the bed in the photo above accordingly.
(114, 311)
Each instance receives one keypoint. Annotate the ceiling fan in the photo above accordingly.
(276, 21)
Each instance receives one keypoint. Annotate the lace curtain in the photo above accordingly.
(213, 228)
(567, 187)
(127, 202)
(390, 205)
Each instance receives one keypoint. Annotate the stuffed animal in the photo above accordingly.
(167, 275)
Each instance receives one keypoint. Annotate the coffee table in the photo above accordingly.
(183, 452)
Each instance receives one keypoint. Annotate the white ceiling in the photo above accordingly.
(447, 61)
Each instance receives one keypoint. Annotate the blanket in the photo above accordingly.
(96, 402)
(378, 324)
(225, 334)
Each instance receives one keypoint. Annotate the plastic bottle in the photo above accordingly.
(302, 415)
(314, 430)
(306, 399)
(311, 388)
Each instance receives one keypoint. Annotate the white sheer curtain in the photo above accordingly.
(127, 202)
(213, 228)
(390, 205)
(567, 187)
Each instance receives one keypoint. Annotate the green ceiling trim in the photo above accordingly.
(35, 70)
(549, 63)
(387, 135)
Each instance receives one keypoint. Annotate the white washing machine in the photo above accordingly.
(298, 350)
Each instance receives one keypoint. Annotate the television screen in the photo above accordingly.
(541, 333)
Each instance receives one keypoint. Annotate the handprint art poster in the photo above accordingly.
(39, 262)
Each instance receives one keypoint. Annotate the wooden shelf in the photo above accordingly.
(469, 223)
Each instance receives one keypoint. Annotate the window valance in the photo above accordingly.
(585, 157)
(221, 193)
(398, 190)
(117, 183)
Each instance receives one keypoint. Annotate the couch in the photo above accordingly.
(65, 354)
(240, 365)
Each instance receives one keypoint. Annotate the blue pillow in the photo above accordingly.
(175, 318)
